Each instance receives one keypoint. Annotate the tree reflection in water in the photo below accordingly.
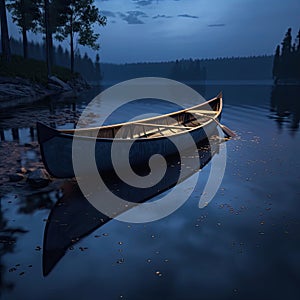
(285, 103)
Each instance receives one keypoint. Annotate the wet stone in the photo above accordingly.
(39, 178)
(30, 145)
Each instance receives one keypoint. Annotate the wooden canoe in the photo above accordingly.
(156, 135)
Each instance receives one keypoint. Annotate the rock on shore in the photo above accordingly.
(11, 88)
(14, 91)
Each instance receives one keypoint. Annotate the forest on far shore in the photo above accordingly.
(228, 68)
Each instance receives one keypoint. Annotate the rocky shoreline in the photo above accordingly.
(19, 172)
(16, 91)
(23, 176)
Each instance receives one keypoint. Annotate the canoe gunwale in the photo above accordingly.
(72, 134)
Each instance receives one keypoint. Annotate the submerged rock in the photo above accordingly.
(39, 178)
(30, 145)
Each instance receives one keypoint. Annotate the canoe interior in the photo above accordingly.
(165, 125)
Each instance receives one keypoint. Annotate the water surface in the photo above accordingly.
(244, 245)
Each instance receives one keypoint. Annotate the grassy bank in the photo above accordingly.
(32, 69)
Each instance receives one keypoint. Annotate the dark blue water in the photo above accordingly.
(244, 245)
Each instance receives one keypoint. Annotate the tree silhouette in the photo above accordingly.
(286, 64)
(287, 43)
(297, 55)
(56, 21)
(80, 17)
(98, 75)
(26, 14)
(4, 32)
(276, 64)
(298, 41)
(48, 36)
(60, 55)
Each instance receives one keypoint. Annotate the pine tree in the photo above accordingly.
(298, 41)
(66, 59)
(276, 63)
(98, 75)
(297, 56)
(177, 70)
(59, 55)
(287, 43)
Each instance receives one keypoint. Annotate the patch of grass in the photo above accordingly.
(34, 70)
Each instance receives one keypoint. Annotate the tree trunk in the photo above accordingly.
(25, 43)
(72, 45)
(4, 32)
(51, 52)
(48, 37)
(72, 52)
(24, 30)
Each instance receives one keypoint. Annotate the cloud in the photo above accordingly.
(133, 17)
(138, 13)
(162, 16)
(108, 13)
(140, 3)
(188, 16)
(216, 25)
(143, 3)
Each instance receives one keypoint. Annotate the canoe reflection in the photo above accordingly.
(73, 217)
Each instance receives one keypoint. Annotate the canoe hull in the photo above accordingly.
(57, 150)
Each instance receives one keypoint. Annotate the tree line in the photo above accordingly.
(228, 68)
(71, 20)
(83, 64)
(286, 63)
(187, 69)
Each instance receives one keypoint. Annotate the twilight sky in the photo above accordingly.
(155, 30)
(159, 30)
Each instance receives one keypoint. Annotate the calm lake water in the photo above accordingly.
(244, 245)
